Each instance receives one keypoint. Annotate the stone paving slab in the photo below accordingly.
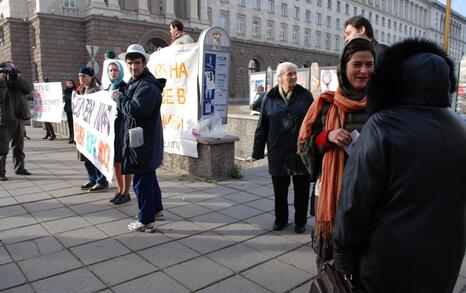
(216, 237)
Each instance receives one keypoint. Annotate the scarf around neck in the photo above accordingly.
(333, 162)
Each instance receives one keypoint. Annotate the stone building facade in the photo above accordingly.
(51, 37)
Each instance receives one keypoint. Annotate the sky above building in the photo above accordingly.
(457, 5)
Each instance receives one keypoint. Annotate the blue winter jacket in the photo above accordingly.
(140, 105)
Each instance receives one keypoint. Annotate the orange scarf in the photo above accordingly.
(333, 162)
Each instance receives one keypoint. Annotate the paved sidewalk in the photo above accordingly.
(217, 237)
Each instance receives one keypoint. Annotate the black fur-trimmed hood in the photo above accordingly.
(412, 72)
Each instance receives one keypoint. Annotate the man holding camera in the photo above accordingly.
(14, 110)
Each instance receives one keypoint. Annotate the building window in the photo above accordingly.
(347, 9)
(318, 39)
(370, 16)
(327, 41)
(256, 5)
(307, 34)
(355, 10)
(329, 4)
(296, 13)
(70, 3)
(389, 23)
(338, 6)
(388, 37)
(284, 10)
(283, 32)
(256, 27)
(337, 42)
(337, 23)
(376, 19)
(383, 36)
(241, 2)
(224, 20)
(270, 30)
(319, 2)
(308, 16)
(383, 21)
(295, 34)
(270, 6)
(329, 21)
(319, 19)
(240, 24)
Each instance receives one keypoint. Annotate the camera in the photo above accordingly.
(11, 73)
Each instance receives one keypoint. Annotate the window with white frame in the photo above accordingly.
(329, 21)
(295, 34)
(284, 9)
(209, 15)
(370, 16)
(329, 4)
(318, 39)
(69, 3)
(256, 4)
(327, 41)
(307, 35)
(256, 27)
(283, 32)
(355, 10)
(337, 23)
(240, 24)
(296, 12)
(319, 19)
(347, 9)
(338, 6)
(319, 2)
(270, 6)
(337, 42)
(308, 16)
(270, 29)
(224, 20)
(241, 2)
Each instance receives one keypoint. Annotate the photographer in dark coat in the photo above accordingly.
(282, 112)
(400, 223)
(14, 110)
(140, 105)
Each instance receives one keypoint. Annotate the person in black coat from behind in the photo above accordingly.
(70, 86)
(282, 112)
(400, 223)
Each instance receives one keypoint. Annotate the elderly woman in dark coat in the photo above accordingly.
(282, 112)
(400, 222)
(326, 131)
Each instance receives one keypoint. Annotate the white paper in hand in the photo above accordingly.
(354, 136)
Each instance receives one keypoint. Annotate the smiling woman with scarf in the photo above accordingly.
(115, 74)
(325, 131)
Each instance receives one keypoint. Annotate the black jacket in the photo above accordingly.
(400, 223)
(140, 105)
(278, 127)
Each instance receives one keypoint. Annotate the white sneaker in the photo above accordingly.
(140, 227)
(160, 216)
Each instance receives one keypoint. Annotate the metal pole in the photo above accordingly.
(446, 39)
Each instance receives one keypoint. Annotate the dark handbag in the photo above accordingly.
(329, 280)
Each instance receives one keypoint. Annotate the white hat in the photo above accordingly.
(135, 48)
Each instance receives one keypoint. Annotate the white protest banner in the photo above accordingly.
(94, 119)
(48, 102)
(179, 66)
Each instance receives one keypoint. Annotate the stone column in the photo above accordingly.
(204, 7)
(142, 7)
(193, 11)
(169, 6)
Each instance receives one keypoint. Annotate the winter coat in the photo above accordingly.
(140, 105)
(13, 101)
(400, 223)
(278, 127)
(67, 93)
(183, 39)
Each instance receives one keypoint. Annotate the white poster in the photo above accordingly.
(48, 102)
(256, 84)
(94, 120)
(179, 111)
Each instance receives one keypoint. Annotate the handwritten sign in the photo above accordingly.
(48, 102)
(179, 111)
(94, 119)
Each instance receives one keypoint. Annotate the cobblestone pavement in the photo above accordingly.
(217, 236)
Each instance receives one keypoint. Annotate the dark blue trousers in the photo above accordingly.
(94, 175)
(149, 196)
